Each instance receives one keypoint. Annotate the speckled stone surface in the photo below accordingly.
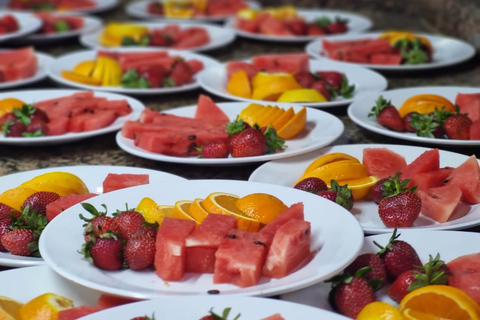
(104, 150)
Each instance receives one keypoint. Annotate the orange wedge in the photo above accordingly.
(272, 89)
(273, 117)
(250, 113)
(262, 121)
(425, 103)
(379, 310)
(360, 187)
(409, 314)
(16, 197)
(294, 126)
(225, 203)
(196, 210)
(7, 105)
(181, 209)
(63, 183)
(45, 307)
(261, 206)
(75, 77)
(302, 95)
(152, 212)
(339, 170)
(9, 308)
(85, 68)
(283, 119)
(444, 302)
(239, 85)
(329, 158)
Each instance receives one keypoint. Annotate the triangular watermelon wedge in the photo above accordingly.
(208, 110)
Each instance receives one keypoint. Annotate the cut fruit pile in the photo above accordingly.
(172, 35)
(390, 48)
(432, 116)
(285, 22)
(151, 69)
(284, 78)
(195, 8)
(51, 5)
(237, 239)
(17, 64)
(53, 23)
(8, 24)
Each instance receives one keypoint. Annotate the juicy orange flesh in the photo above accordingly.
(439, 305)
(227, 203)
(410, 314)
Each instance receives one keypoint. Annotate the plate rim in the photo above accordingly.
(33, 25)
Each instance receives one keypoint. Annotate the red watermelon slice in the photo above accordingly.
(124, 180)
(440, 203)
(295, 211)
(427, 161)
(54, 208)
(208, 110)
(466, 274)
(467, 178)
(291, 63)
(469, 103)
(382, 162)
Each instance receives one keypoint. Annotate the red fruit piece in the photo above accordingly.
(407, 121)
(305, 79)
(457, 126)
(39, 201)
(401, 210)
(106, 252)
(37, 128)
(312, 184)
(6, 211)
(4, 228)
(248, 143)
(155, 75)
(214, 149)
(352, 296)
(20, 242)
(128, 223)
(333, 78)
(322, 87)
(99, 224)
(378, 271)
(9, 23)
(377, 192)
(387, 115)
(399, 288)
(139, 252)
(338, 194)
(337, 27)
(181, 73)
(316, 30)
(13, 129)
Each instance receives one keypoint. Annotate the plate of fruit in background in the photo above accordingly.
(178, 11)
(322, 251)
(416, 119)
(393, 50)
(81, 6)
(62, 116)
(178, 36)
(291, 79)
(426, 244)
(137, 71)
(288, 24)
(22, 66)
(73, 184)
(14, 24)
(446, 203)
(202, 306)
(302, 129)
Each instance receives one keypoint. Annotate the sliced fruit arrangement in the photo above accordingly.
(434, 290)
(53, 23)
(390, 48)
(432, 116)
(285, 78)
(26, 210)
(143, 70)
(195, 8)
(17, 64)
(79, 112)
(238, 239)
(286, 22)
(51, 5)
(8, 24)
(174, 36)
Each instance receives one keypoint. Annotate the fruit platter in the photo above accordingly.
(193, 37)
(291, 24)
(424, 246)
(134, 71)
(174, 10)
(61, 116)
(434, 106)
(301, 131)
(328, 244)
(14, 25)
(290, 79)
(458, 210)
(392, 50)
(84, 6)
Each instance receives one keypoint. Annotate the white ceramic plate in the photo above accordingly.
(356, 24)
(214, 80)
(42, 60)
(138, 9)
(30, 96)
(335, 234)
(219, 36)
(70, 60)
(286, 173)
(358, 112)
(450, 245)
(322, 129)
(101, 6)
(250, 308)
(92, 176)
(447, 52)
(27, 24)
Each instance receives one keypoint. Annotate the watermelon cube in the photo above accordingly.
(18, 64)
(427, 161)
(275, 316)
(469, 103)
(440, 203)
(290, 63)
(208, 110)
(234, 66)
(124, 180)
(466, 274)
(240, 258)
(274, 27)
(191, 38)
(76, 312)
(58, 126)
(56, 207)
(195, 65)
(203, 243)
(170, 248)
(431, 179)
(290, 247)
(382, 162)
(475, 130)
(121, 107)
(386, 58)
(295, 211)
(467, 177)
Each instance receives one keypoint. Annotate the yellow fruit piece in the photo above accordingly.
(249, 114)
(302, 95)
(271, 91)
(261, 206)
(264, 110)
(379, 311)
(16, 197)
(116, 31)
(247, 14)
(339, 170)
(329, 158)
(274, 117)
(184, 8)
(85, 68)
(442, 301)
(360, 187)
(112, 73)
(44, 307)
(425, 103)
(294, 126)
(152, 212)
(63, 183)
(107, 41)
(281, 13)
(239, 85)
(283, 119)
(181, 210)
(262, 78)
(225, 203)
(394, 36)
(75, 77)
(196, 210)
(9, 308)
(266, 116)
(409, 314)
(7, 105)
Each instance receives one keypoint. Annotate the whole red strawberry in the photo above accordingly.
(398, 256)
(312, 184)
(377, 192)
(399, 288)
(304, 78)
(387, 115)
(249, 143)
(341, 195)
(181, 73)
(128, 223)
(407, 121)
(139, 252)
(378, 271)
(4, 228)
(6, 211)
(39, 200)
(214, 150)
(20, 242)
(144, 318)
(105, 252)
(99, 224)
(457, 126)
(338, 26)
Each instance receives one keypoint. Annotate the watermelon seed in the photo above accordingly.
(307, 231)
(260, 243)
(213, 291)
(192, 137)
(232, 236)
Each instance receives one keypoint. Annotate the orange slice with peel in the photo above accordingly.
(152, 212)
(7, 105)
(270, 120)
(225, 203)
(294, 126)
(262, 78)
(250, 113)
(302, 95)
(197, 211)
(379, 310)
(85, 68)
(360, 187)
(409, 314)
(261, 206)
(239, 85)
(283, 119)
(9, 308)
(425, 103)
(263, 120)
(272, 90)
(339, 170)
(181, 210)
(75, 77)
(329, 158)
(63, 183)
(45, 307)
(15, 197)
